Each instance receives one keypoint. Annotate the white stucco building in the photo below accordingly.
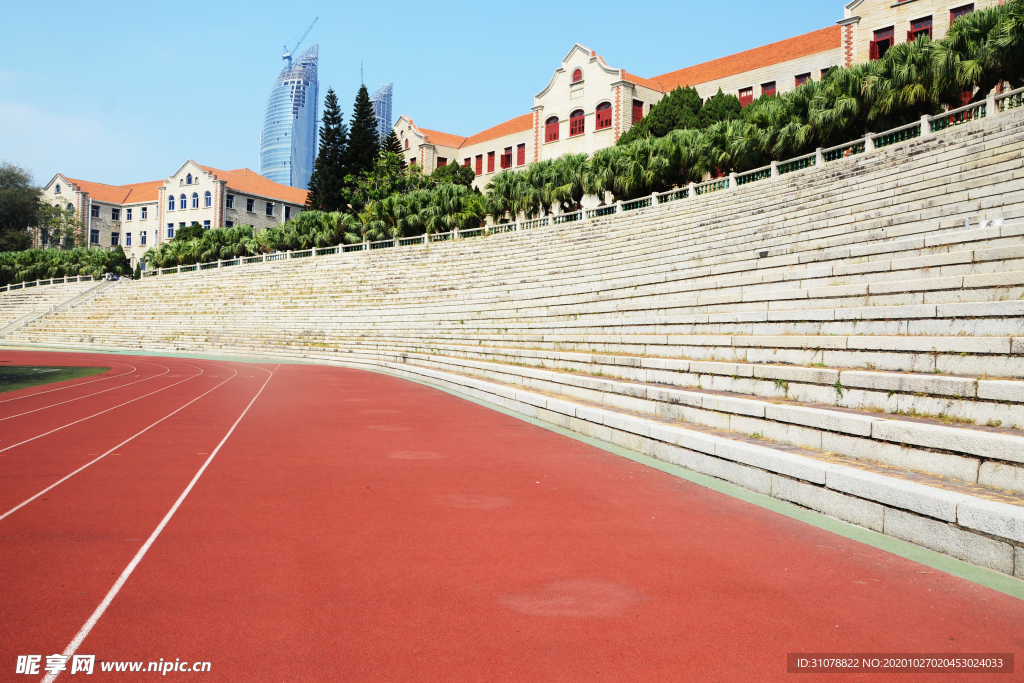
(139, 216)
(588, 104)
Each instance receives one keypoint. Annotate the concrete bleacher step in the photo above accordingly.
(864, 321)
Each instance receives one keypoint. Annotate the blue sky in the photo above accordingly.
(126, 92)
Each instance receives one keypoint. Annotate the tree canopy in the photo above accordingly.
(19, 207)
(328, 178)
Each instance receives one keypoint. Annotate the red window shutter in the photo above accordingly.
(746, 96)
(873, 51)
(551, 129)
(604, 116)
(638, 111)
(910, 36)
(577, 124)
(479, 164)
(490, 162)
(521, 154)
(441, 161)
(577, 76)
(466, 162)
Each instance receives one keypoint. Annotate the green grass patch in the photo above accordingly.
(13, 377)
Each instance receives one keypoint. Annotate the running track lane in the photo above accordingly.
(27, 425)
(69, 545)
(32, 463)
(8, 358)
(360, 527)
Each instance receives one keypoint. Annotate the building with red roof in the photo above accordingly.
(587, 105)
(140, 216)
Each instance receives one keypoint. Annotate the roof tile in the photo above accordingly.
(776, 53)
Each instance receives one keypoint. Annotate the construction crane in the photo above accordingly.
(288, 53)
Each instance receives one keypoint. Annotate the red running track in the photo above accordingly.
(358, 527)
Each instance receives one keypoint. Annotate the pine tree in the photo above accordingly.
(328, 178)
(363, 138)
(721, 107)
(391, 144)
(677, 110)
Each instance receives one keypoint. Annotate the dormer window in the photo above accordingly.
(577, 76)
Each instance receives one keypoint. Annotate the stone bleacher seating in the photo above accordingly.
(20, 303)
(847, 338)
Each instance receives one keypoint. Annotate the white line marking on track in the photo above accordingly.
(95, 393)
(91, 462)
(72, 386)
(116, 588)
(69, 424)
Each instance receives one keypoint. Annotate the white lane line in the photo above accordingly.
(92, 462)
(72, 386)
(95, 393)
(69, 424)
(77, 641)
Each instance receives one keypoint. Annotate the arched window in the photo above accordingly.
(71, 207)
(182, 202)
(577, 75)
(195, 200)
(56, 189)
(170, 203)
(407, 144)
(604, 116)
(188, 179)
(209, 198)
(576, 122)
(551, 129)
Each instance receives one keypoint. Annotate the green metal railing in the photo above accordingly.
(798, 164)
(754, 176)
(567, 217)
(957, 117)
(601, 211)
(713, 186)
(636, 204)
(899, 135)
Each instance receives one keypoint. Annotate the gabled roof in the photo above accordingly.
(436, 137)
(118, 194)
(516, 125)
(143, 192)
(248, 181)
(776, 53)
(645, 82)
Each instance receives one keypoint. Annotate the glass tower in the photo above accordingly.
(381, 101)
(288, 141)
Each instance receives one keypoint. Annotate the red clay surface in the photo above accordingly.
(357, 527)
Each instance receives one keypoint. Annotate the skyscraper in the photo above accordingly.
(288, 141)
(381, 101)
